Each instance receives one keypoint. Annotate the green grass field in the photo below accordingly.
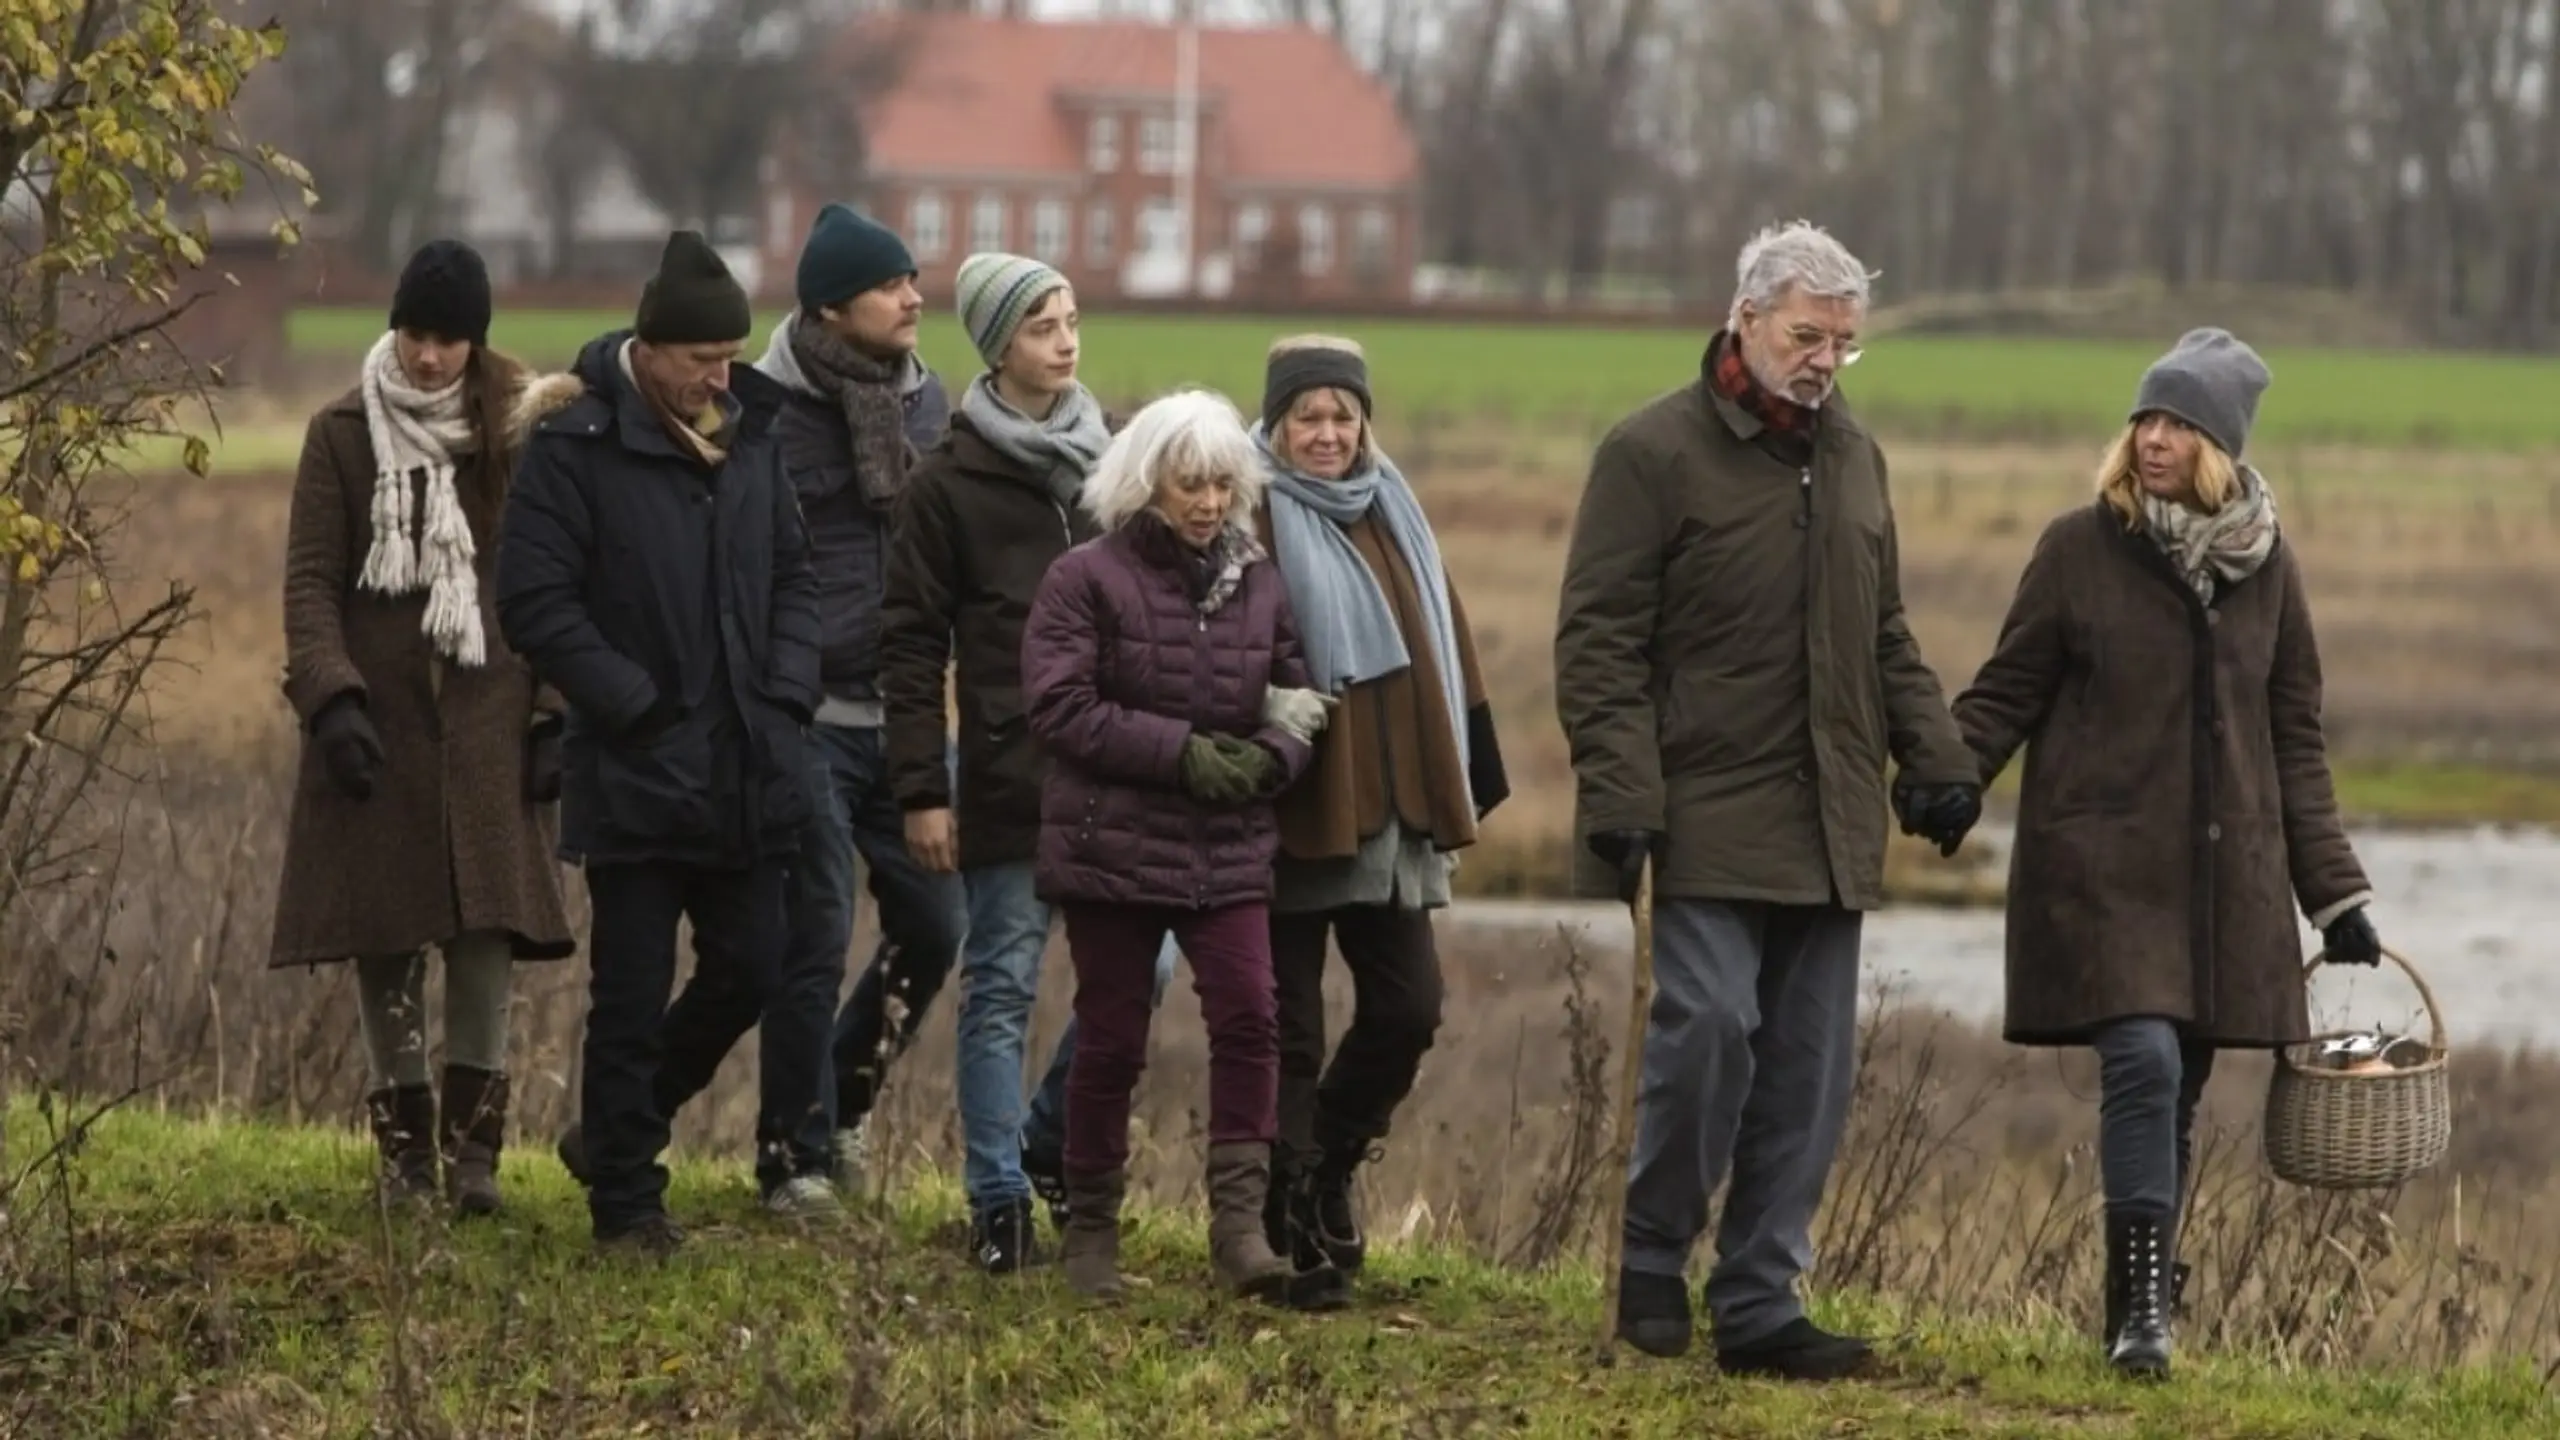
(233, 1282)
(1936, 385)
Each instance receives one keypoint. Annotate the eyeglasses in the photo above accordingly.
(1809, 339)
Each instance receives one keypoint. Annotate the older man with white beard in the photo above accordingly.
(1732, 671)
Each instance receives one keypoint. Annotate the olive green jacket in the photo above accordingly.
(1732, 663)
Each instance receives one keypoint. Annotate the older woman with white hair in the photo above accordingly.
(1402, 774)
(1148, 664)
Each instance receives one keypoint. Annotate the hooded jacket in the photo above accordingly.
(672, 603)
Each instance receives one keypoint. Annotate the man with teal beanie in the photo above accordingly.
(860, 407)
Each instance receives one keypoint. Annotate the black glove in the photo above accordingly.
(2350, 940)
(1626, 851)
(348, 745)
(542, 763)
(657, 720)
(1940, 814)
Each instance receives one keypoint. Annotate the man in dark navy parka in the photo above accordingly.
(655, 570)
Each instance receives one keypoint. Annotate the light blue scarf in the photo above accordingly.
(1345, 619)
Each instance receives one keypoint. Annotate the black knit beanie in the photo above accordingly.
(692, 300)
(1294, 372)
(444, 292)
(845, 255)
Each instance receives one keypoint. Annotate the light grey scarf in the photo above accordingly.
(417, 431)
(1061, 449)
(1345, 619)
(2223, 548)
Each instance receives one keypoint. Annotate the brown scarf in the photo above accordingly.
(872, 392)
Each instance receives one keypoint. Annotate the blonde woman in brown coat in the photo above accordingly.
(2159, 667)
(422, 808)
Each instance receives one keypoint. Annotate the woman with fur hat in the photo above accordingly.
(1147, 661)
(2159, 668)
(422, 808)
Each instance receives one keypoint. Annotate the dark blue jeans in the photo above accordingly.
(922, 918)
(640, 1051)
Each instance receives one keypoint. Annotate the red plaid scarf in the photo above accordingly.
(1733, 380)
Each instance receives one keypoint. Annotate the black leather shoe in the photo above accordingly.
(1001, 1239)
(1801, 1350)
(1653, 1313)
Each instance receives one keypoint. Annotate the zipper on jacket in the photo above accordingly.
(1066, 527)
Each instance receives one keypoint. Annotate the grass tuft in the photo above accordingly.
(230, 1279)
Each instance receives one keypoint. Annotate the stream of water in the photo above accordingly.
(2477, 912)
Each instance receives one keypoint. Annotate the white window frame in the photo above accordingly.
(1315, 238)
(1099, 240)
(1102, 144)
(928, 224)
(1051, 224)
(1159, 145)
(1372, 236)
(1253, 227)
(988, 217)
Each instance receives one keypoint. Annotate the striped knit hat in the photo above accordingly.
(996, 291)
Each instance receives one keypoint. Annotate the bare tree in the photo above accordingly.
(694, 94)
(370, 93)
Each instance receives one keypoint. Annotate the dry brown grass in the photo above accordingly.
(2437, 585)
(1969, 1182)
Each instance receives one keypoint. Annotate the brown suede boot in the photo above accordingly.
(475, 1127)
(1239, 1179)
(404, 1133)
(1090, 1251)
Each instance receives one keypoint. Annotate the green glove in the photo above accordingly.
(1211, 773)
(1260, 767)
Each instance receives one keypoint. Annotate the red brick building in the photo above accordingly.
(1062, 140)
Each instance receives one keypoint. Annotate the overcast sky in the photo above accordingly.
(1212, 10)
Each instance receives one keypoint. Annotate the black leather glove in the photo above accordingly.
(1940, 814)
(349, 747)
(2350, 940)
(542, 762)
(657, 720)
(1949, 814)
(1626, 851)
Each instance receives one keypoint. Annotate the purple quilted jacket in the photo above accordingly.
(1119, 667)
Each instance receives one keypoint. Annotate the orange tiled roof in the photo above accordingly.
(986, 96)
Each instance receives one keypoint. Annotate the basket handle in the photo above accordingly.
(2426, 996)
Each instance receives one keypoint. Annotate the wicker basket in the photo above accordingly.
(2342, 1130)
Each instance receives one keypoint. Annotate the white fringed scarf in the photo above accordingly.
(421, 430)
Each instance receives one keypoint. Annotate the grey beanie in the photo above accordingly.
(2212, 380)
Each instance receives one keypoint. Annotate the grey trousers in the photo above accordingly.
(2149, 1080)
(1749, 1054)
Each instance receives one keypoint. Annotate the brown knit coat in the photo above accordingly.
(1389, 741)
(447, 843)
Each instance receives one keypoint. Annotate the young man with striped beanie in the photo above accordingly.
(980, 521)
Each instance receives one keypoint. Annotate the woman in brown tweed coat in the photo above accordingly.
(422, 807)
(2176, 813)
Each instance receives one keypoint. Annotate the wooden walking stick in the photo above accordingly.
(1623, 1137)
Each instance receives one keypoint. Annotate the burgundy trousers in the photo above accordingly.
(1113, 949)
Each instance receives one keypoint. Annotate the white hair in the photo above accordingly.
(1195, 432)
(1798, 255)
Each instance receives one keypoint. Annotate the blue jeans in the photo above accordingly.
(1000, 978)
(1045, 1133)
(922, 916)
